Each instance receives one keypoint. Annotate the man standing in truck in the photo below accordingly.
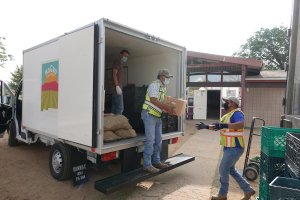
(231, 128)
(151, 114)
(117, 93)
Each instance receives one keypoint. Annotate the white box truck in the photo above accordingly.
(291, 117)
(64, 92)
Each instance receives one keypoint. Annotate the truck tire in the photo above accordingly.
(60, 161)
(12, 140)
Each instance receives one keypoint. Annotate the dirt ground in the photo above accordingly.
(25, 175)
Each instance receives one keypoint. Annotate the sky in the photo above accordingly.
(209, 26)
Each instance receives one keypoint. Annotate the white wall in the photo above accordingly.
(143, 70)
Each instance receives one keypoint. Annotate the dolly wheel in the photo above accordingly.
(254, 165)
(251, 173)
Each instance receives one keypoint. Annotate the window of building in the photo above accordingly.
(198, 78)
(213, 78)
(231, 78)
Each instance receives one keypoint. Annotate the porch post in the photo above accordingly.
(243, 87)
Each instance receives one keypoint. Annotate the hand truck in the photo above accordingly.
(251, 167)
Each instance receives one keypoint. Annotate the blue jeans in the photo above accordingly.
(227, 166)
(117, 103)
(153, 133)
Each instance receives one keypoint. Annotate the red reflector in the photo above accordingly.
(109, 156)
(174, 140)
(93, 150)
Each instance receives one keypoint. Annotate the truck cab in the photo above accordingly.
(6, 104)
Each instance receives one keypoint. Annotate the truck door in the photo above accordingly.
(78, 81)
(6, 103)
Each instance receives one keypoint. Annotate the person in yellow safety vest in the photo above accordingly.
(151, 115)
(231, 128)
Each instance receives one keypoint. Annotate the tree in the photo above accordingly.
(16, 78)
(269, 45)
(3, 55)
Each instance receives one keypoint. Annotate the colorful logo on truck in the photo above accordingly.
(49, 98)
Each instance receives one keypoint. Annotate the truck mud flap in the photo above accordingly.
(112, 183)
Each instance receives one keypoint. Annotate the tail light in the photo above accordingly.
(109, 156)
(174, 140)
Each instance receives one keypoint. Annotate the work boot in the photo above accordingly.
(161, 165)
(218, 197)
(248, 195)
(151, 169)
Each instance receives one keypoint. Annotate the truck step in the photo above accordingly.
(112, 183)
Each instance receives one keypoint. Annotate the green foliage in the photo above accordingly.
(3, 55)
(269, 45)
(16, 78)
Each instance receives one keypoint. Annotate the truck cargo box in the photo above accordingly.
(67, 80)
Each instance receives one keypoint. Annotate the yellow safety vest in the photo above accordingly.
(228, 136)
(153, 109)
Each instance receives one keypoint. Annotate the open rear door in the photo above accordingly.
(6, 103)
(77, 99)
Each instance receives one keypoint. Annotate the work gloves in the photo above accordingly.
(118, 90)
(218, 126)
(201, 125)
(214, 126)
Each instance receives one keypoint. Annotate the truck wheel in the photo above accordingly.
(251, 174)
(12, 141)
(60, 161)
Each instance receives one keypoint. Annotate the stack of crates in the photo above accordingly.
(134, 98)
(273, 144)
(169, 123)
(289, 187)
(292, 155)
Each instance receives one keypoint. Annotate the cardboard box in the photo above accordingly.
(179, 104)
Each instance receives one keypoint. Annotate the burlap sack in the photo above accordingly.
(110, 136)
(125, 133)
(115, 122)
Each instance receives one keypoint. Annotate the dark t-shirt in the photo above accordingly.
(118, 64)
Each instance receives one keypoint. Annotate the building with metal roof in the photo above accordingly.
(212, 77)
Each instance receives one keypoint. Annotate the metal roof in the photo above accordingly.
(269, 75)
(251, 63)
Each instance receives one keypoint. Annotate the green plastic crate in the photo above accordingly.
(273, 140)
(263, 190)
(285, 189)
(270, 167)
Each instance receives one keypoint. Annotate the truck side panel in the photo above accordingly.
(39, 107)
(292, 105)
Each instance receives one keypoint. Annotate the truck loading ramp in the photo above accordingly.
(112, 183)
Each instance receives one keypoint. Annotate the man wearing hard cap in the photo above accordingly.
(151, 115)
(231, 128)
